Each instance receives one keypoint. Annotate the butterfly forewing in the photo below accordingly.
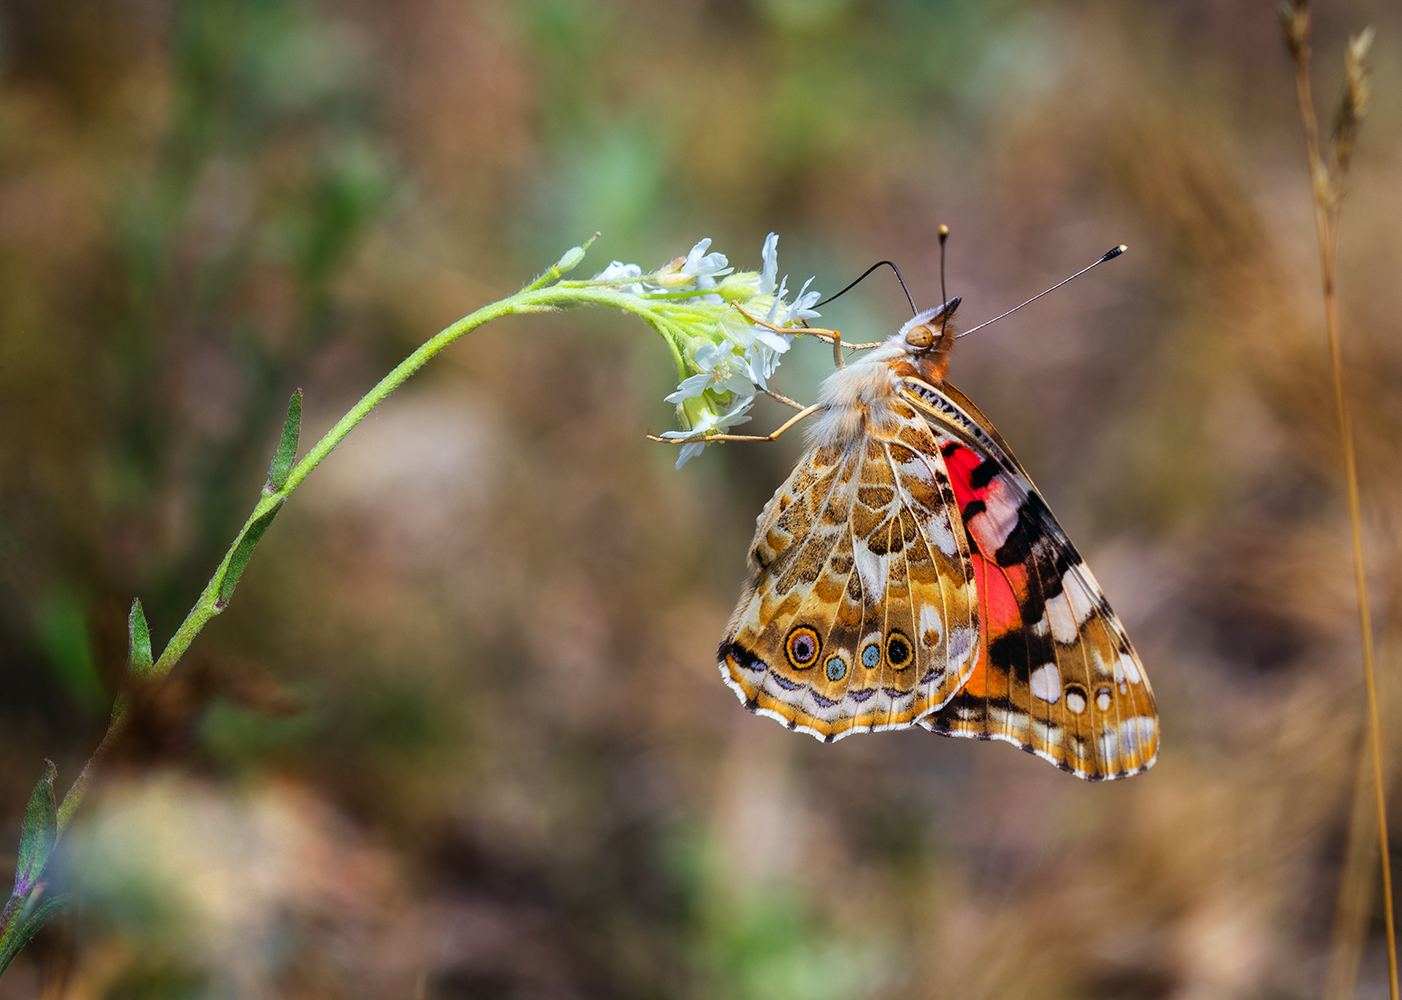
(1058, 677)
(863, 613)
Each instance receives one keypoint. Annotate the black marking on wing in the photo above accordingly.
(1033, 518)
(983, 473)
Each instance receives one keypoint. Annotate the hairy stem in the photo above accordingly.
(532, 299)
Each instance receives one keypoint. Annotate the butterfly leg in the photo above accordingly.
(740, 437)
(827, 336)
(783, 399)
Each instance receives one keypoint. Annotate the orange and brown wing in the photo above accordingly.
(862, 614)
(1058, 676)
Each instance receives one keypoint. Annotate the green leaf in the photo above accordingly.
(138, 641)
(242, 553)
(286, 453)
(39, 834)
(30, 924)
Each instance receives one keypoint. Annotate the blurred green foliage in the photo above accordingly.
(63, 630)
(461, 726)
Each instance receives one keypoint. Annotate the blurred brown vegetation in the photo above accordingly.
(461, 732)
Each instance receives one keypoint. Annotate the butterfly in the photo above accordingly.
(908, 573)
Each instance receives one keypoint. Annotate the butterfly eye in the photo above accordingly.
(898, 650)
(871, 655)
(802, 647)
(920, 336)
(837, 668)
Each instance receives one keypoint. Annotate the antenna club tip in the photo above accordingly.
(1114, 252)
(944, 232)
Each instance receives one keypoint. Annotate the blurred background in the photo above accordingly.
(461, 732)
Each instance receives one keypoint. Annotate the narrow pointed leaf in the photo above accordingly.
(242, 553)
(286, 454)
(30, 926)
(138, 642)
(39, 834)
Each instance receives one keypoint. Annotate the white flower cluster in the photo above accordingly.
(732, 357)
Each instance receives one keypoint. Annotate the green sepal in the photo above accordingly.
(139, 659)
(27, 924)
(39, 834)
(243, 552)
(286, 454)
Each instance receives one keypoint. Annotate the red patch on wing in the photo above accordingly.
(961, 463)
(1001, 589)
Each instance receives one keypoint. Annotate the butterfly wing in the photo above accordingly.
(862, 614)
(1058, 676)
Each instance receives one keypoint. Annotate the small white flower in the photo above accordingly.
(766, 353)
(623, 275)
(802, 307)
(707, 422)
(770, 256)
(778, 302)
(698, 266)
(721, 370)
(701, 264)
(730, 358)
(688, 452)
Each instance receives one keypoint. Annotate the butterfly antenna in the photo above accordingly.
(944, 295)
(880, 263)
(1110, 254)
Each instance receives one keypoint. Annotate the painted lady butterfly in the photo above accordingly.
(909, 573)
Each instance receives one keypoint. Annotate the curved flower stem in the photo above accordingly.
(532, 299)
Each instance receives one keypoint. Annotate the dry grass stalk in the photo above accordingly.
(1328, 184)
(1356, 887)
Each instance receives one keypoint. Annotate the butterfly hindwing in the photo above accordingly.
(1058, 677)
(863, 613)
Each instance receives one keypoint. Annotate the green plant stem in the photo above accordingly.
(1326, 220)
(74, 796)
(532, 299)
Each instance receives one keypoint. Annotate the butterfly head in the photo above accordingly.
(925, 341)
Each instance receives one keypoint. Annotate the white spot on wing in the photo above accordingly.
(930, 622)
(1063, 622)
(1046, 683)
(872, 570)
(992, 527)
(962, 641)
(1075, 702)
(1075, 591)
(1147, 726)
(1102, 700)
(938, 532)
